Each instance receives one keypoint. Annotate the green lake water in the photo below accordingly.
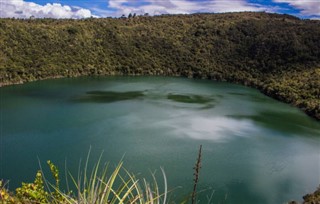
(255, 149)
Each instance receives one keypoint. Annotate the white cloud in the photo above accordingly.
(22, 9)
(307, 7)
(155, 7)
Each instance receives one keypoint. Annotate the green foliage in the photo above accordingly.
(36, 192)
(313, 197)
(278, 54)
(55, 173)
(5, 196)
(114, 187)
(33, 192)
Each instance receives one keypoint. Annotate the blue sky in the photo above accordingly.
(115, 8)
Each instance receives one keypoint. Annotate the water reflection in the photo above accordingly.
(282, 121)
(217, 129)
(190, 98)
(108, 96)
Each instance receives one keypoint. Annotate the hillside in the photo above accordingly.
(278, 54)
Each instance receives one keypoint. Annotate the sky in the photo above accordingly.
(307, 9)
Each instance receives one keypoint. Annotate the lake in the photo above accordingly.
(255, 149)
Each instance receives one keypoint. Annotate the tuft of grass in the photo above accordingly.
(101, 185)
(113, 187)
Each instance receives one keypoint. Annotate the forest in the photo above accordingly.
(277, 54)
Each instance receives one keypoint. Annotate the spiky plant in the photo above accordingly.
(115, 187)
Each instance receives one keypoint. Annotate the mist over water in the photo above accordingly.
(255, 149)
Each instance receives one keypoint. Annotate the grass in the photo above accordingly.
(117, 186)
(102, 184)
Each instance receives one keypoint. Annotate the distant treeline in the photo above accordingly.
(278, 54)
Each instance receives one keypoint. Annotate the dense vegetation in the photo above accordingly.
(278, 54)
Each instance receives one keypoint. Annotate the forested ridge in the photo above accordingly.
(278, 54)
